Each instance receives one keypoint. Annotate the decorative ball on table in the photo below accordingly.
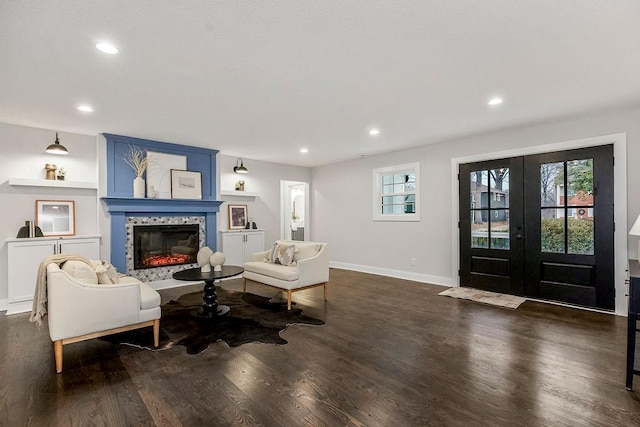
(217, 260)
(203, 259)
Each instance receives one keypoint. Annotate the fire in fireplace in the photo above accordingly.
(164, 245)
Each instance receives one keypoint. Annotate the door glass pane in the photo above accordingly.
(552, 230)
(580, 182)
(499, 188)
(500, 229)
(480, 229)
(580, 229)
(552, 184)
(479, 182)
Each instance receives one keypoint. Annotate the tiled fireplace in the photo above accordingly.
(158, 246)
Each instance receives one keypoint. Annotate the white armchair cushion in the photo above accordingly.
(149, 298)
(277, 271)
(81, 271)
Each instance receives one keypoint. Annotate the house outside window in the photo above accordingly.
(396, 193)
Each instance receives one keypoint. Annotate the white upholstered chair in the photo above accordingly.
(79, 309)
(311, 269)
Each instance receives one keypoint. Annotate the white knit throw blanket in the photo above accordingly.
(39, 309)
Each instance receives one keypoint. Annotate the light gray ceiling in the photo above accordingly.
(261, 79)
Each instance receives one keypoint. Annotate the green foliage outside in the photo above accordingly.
(580, 236)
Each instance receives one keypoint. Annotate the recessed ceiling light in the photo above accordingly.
(85, 108)
(304, 150)
(495, 101)
(107, 48)
(374, 132)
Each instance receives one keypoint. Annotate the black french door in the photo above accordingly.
(540, 226)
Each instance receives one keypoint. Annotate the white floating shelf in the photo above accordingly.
(27, 182)
(238, 193)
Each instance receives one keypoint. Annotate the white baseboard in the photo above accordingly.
(398, 274)
(3, 304)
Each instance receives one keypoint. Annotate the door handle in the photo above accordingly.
(518, 236)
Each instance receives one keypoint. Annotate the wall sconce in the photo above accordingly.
(57, 148)
(240, 168)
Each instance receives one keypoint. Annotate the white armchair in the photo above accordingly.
(311, 269)
(80, 309)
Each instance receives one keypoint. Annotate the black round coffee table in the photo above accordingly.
(210, 308)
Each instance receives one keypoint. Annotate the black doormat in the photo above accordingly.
(252, 319)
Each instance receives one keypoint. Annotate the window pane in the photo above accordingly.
(398, 209)
(580, 182)
(398, 200)
(580, 239)
(500, 229)
(410, 208)
(552, 184)
(479, 229)
(552, 231)
(411, 177)
(387, 209)
(387, 189)
(387, 200)
(398, 188)
(387, 179)
(398, 178)
(499, 187)
(479, 180)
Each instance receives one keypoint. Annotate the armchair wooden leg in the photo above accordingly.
(244, 290)
(289, 299)
(325, 291)
(156, 332)
(57, 351)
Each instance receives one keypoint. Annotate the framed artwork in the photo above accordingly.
(56, 217)
(159, 167)
(237, 217)
(186, 184)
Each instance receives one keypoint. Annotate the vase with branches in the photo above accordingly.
(138, 161)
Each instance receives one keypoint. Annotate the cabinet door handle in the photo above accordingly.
(55, 249)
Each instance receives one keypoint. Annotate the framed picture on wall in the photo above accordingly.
(237, 217)
(56, 217)
(186, 184)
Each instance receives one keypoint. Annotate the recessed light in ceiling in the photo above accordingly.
(304, 150)
(495, 101)
(374, 132)
(107, 48)
(85, 108)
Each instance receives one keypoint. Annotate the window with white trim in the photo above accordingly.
(396, 193)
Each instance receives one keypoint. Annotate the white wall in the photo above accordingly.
(264, 179)
(24, 157)
(341, 198)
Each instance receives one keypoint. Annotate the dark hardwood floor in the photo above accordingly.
(393, 353)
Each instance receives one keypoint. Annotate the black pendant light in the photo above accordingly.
(57, 148)
(240, 168)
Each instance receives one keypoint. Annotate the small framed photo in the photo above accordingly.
(56, 217)
(237, 217)
(186, 184)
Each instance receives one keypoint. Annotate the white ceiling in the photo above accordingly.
(261, 79)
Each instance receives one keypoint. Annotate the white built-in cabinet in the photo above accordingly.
(24, 257)
(238, 246)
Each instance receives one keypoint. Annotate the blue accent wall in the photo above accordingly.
(120, 175)
(120, 202)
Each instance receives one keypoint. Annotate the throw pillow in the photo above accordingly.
(282, 254)
(80, 271)
(107, 273)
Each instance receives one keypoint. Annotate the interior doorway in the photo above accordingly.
(294, 208)
(540, 226)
